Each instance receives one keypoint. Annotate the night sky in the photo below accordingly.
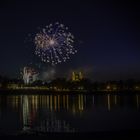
(107, 36)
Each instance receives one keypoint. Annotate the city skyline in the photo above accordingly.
(106, 37)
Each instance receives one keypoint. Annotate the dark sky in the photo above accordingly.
(107, 36)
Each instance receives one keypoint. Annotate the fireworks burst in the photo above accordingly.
(54, 44)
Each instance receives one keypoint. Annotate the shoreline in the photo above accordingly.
(70, 92)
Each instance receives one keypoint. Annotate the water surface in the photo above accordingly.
(69, 113)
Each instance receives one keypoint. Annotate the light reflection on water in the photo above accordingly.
(67, 113)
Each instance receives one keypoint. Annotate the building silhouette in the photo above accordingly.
(77, 76)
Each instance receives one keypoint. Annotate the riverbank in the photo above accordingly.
(125, 134)
(46, 92)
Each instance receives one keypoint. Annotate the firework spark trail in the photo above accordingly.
(54, 44)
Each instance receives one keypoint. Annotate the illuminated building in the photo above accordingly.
(12, 86)
(111, 87)
(77, 76)
(29, 75)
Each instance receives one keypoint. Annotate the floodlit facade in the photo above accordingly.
(77, 76)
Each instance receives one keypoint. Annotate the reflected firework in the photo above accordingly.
(54, 44)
